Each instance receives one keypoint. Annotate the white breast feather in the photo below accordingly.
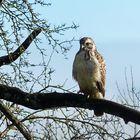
(88, 71)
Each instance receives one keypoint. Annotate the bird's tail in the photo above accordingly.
(97, 112)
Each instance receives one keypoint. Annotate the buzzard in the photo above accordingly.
(89, 71)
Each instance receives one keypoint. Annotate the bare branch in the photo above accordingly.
(15, 121)
(55, 100)
(135, 138)
(4, 60)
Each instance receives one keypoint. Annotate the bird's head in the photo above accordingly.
(87, 43)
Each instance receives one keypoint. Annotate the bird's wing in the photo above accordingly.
(101, 84)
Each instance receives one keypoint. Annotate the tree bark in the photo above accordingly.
(11, 57)
(15, 121)
(54, 100)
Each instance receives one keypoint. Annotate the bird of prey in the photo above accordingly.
(89, 71)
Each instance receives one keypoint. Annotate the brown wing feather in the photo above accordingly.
(103, 71)
(100, 88)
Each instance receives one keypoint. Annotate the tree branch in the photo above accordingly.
(135, 138)
(55, 100)
(7, 59)
(15, 121)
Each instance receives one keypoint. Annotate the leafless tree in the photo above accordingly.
(32, 105)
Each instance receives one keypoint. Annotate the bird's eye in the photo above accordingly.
(87, 44)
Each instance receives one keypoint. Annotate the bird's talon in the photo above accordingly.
(88, 96)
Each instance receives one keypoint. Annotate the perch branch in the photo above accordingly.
(54, 100)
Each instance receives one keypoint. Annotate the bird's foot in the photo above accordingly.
(88, 96)
(80, 92)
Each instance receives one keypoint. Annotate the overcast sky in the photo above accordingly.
(115, 27)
